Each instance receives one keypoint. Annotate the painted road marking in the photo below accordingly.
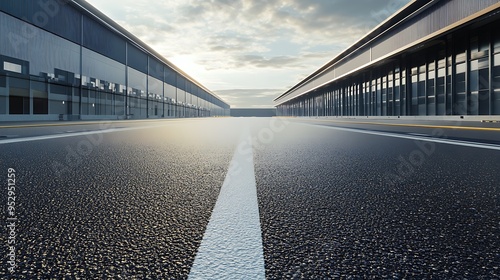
(419, 134)
(93, 122)
(232, 244)
(420, 138)
(408, 125)
(104, 129)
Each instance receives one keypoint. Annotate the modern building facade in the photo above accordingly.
(253, 112)
(63, 59)
(431, 58)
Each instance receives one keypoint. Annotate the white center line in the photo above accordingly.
(412, 137)
(232, 244)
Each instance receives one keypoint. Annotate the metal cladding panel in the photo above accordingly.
(170, 76)
(156, 68)
(137, 59)
(102, 40)
(437, 17)
(54, 16)
(181, 82)
(352, 63)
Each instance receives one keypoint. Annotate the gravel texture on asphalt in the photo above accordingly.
(133, 207)
(331, 206)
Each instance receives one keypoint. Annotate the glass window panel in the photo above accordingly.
(19, 105)
(484, 87)
(99, 67)
(431, 94)
(397, 97)
(170, 92)
(449, 90)
(484, 102)
(58, 53)
(3, 95)
(12, 67)
(460, 82)
(3, 104)
(473, 102)
(137, 82)
(189, 97)
(496, 85)
(154, 108)
(379, 97)
(384, 96)
(414, 94)
(143, 106)
(460, 57)
(474, 44)
(195, 101)
(474, 76)
(119, 105)
(441, 63)
(422, 91)
(60, 90)
(403, 92)
(19, 96)
(181, 96)
(19, 83)
(440, 92)
(58, 107)
(40, 97)
(155, 86)
(100, 103)
(134, 107)
(75, 110)
(460, 99)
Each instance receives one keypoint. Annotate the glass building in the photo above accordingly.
(431, 58)
(62, 59)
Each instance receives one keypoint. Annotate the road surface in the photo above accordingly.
(250, 198)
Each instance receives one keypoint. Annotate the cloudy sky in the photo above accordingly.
(249, 51)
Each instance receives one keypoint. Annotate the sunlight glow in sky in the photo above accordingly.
(249, 51)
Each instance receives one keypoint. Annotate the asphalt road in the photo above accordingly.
(248, 198)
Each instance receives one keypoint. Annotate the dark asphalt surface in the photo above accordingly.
(135, 207)
(333, 204)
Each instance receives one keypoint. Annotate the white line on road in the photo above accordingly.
(64, 135)
(232, 244)
(419, 138)
(419, 134)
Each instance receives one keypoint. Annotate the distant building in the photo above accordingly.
(66, 60)
(253, 112)
(432, 58)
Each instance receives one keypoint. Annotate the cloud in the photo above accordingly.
(237, 28)
(260, 61)
(233, 40)
(249, 98)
